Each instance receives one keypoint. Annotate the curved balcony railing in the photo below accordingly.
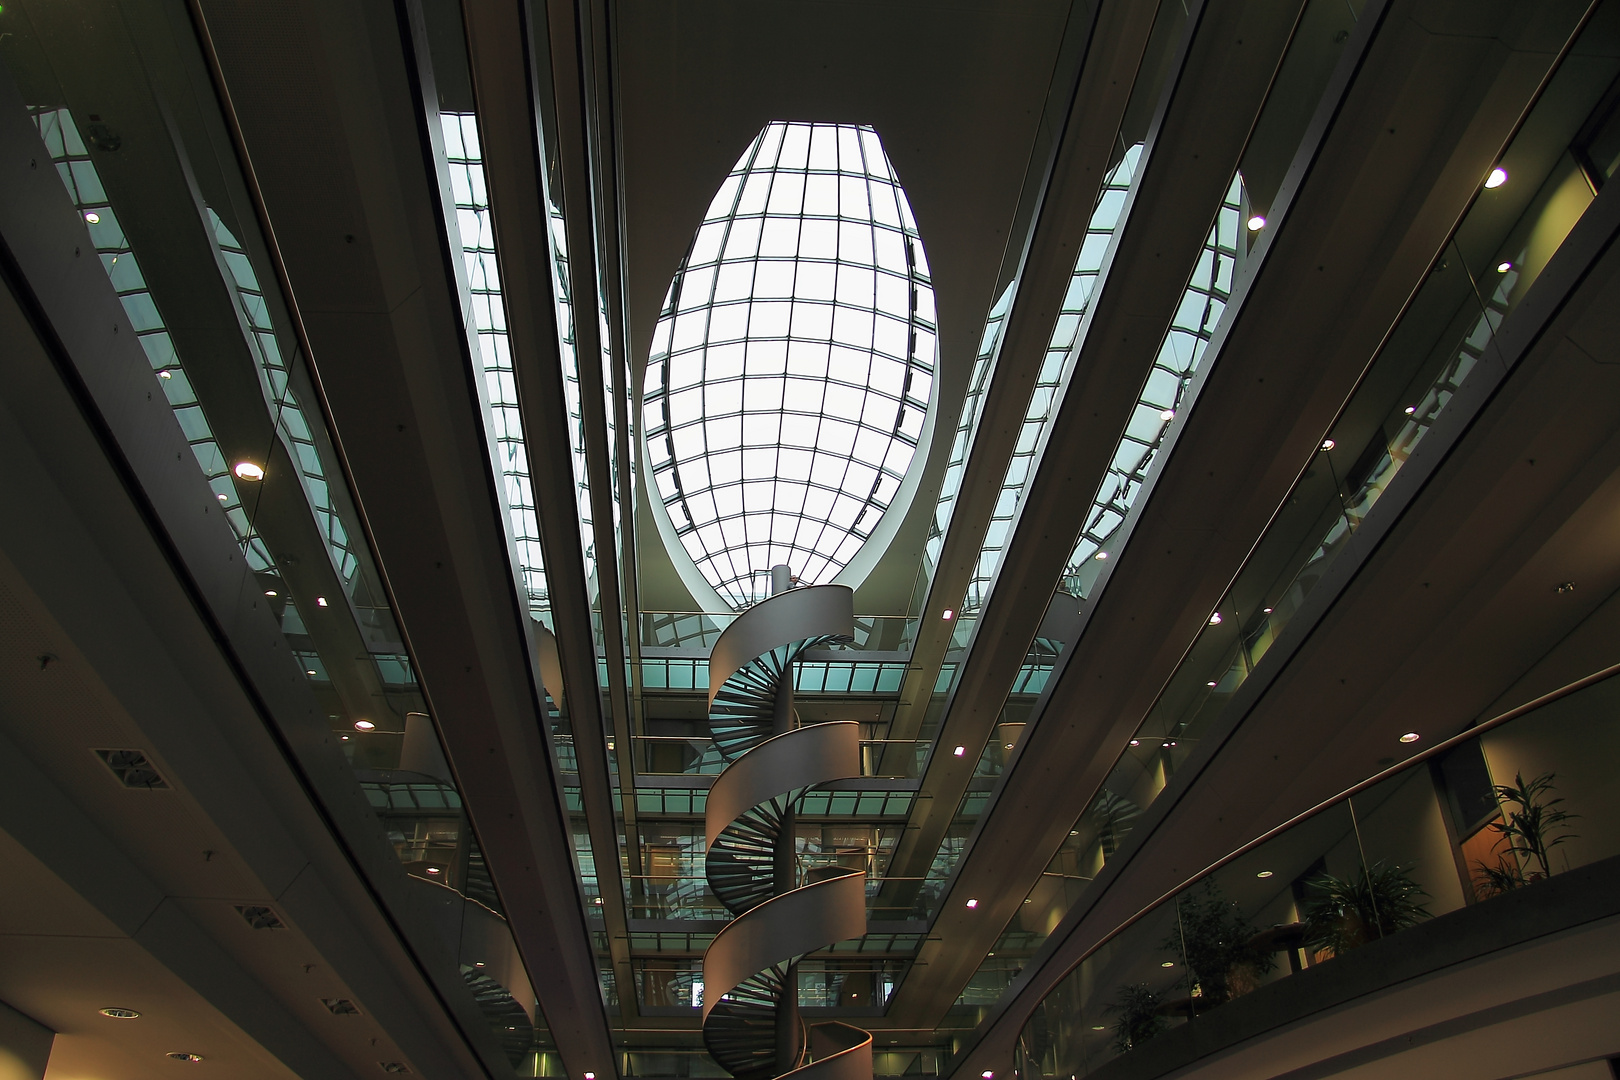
(1498, 808)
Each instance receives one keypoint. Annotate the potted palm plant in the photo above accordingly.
(1344, 913)
(1139, 1019)
(1531, 825)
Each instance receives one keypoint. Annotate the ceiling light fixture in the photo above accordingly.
(947, 614)
(309, 671)
(249, 471)
(959, 751)
(1497, 178)
(224, 498)
(1168, 964)
(1328, 444)
(1215, 619)
(1266, 611)
(434, 870)
(987, 1074)
(184, 1055)
(1411, 736)
(1503, 267)
(1257, 223)
(1264, 874)
(364, 725)
(343, 738)
(320, 601)
(118, 1013)
(92, 217)
(269, 592)
(1098, 1027)
(1168, 414)
(590, 1076)
(165, 374)
(1410, 409)
(1134, 742)
(972, 904)
(1210, 683)
(1101, 556)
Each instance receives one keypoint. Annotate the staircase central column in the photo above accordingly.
(788, 1037)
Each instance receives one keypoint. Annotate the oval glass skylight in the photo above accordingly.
(792, 368)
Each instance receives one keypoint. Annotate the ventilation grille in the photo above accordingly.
(341, 1006)
(133, 769)
(261, 918)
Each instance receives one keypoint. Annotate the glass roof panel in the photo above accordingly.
(792, 366)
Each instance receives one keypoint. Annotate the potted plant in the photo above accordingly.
(1218, 946)
(1531, 826)
(1343, 913)
(1139, 1018)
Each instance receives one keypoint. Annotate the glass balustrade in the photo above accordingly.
(1497, 810)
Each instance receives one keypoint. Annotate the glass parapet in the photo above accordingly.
(1499, 809)
(185, 257)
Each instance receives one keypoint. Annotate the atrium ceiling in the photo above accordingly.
(1211, 476)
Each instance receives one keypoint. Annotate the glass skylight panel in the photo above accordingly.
(792, 367)
(83, 183)
(275, 378)
(1163, 394)
(476, 231)
(1044, 401)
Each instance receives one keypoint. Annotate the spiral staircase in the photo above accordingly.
(751, 1021)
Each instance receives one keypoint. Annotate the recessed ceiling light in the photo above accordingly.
(1006, 746)
(118, 1013)
(434, 870)
(1215, 619)
(1266, 611)
(165, 374)
(1411, 736)
(1328, 444)
(344, 738)
(1027, 900)
(590, 1076)
(959, 751)
(1170, 742)
(1168, 414)
(309, 671)
(1168, 963)
(1503, 267)
(1101, 556)
(1074, 832)
(1136, 742)
(596, 900)
(183, 1055)
(1264, 874)
(987, 1074)
(320, 601)
(1210, 683)
(224, 498)
(1410, 409)
(1098, 1027)
(1497, 178)
(972, 903)
(249, 471)
(990, 954)
(1257, 223)
(364, 725)
(947, 614)
(92, 217)
(269, 592)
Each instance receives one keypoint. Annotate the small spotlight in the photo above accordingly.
(590, 1076)
(364, 725)
(1027, 900)
(320, 601)
(1074, 832)
(1168, 963)
(1210, 683)
(309, 671)
(959, 751)
(343, 738)
(987, 1075)
(947, 614)
(1266, 611)
(1215, 619)
(182, 1055)
(1101, 556)
(1136, 742)
(249, 471)
(597, 900)
(1503, 267)
(165, 374)
(1411, 736)
(972, 904)
(224, 498)
(1497, 178)
(1410, 409)
(92, 217)
(434, 870)
(1257, 223)
(1168, 414)
(1098, 1027)
(1328, 444)
(1264, 874)
(269, 592)
(120, 1013)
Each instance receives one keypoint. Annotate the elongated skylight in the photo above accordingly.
(792, 367)
(1164, 393)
